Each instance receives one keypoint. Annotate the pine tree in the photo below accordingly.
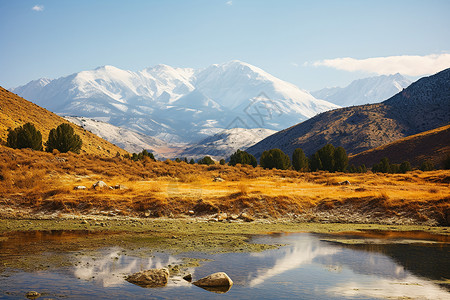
(64, 139)
(243, 158)
(340, 159)
(299, 160)
(25, 136)
(206, 161)
(275, 158)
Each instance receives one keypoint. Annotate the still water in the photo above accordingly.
(310, 266)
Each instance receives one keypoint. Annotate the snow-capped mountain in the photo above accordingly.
(226, 142)
(178, 105)
(129, 140)
(364, 91)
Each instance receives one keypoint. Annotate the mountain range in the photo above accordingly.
(364, 91)
(422, 106)
(178, 105)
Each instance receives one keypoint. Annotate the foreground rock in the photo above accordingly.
(219, 279)
(150, 278)
(32, 295)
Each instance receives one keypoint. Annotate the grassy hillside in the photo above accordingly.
(432, 145)
(16, 111)
(43, 183)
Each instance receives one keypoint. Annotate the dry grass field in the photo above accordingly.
(43, 183)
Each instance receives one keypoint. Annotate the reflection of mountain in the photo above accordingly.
(110, 269)
(303, 251)
(430, 261)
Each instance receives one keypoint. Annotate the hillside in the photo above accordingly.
(432, 145)
(16, 111)
(424, 105)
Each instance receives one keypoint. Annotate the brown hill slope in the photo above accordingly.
(432, 145)
(423, 106)
(16, 111)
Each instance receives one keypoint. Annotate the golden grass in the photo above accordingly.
(46, 181)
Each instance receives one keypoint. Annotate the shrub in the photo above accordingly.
(243, 158)
(426, 166)
(299, 160)
(64, 139)
(274, 159)
(206, 161)
(25, 136)
(405, 167)
(222, 162)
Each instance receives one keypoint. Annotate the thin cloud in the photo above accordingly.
(229, 3)
(412, 65)
(38, 8)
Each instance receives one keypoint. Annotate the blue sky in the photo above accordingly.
(303, 42)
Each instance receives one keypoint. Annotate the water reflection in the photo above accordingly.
(302, 250)
(110, 268)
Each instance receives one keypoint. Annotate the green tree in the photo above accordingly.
(405, 167)
(206, 161)
(274, 158)
(426, 166)
(315, 163)
(25, 136)
(326, 155)
(340, 159)
(64, 139)
(192, 161)
(222, 161)
(243, 158)
(299, 160)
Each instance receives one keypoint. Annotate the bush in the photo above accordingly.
(274, 159)
(426, 166)
(243, 158)
(206, 161)
(64, 139)
(222, 162)
(405, 167)
(25, 136)
(299, 160)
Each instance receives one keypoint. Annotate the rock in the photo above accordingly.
(120, 187)
(233, 217)
(99, 184)
(79, 187)
(246, 217)
(32, 295)
(191, 212)
(346, 182)
(150, 278)
(219, 279)
(218, 179)
(222, 216)
(188, 277)
(84, 222)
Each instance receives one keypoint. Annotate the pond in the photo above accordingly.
(367, 265)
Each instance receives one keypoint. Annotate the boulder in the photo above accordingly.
(99, 184)
(346, 182)
(222, 216)
(32, 295)
(246, 217)
(79, 187)
(120, 187)
(218, 179)
(219, 279)
(150, 278)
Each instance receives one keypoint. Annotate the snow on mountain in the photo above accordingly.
(129, 140)
(178, 105)
(226, 142)
(364, 91)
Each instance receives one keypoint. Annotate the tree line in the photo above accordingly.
(61, 138)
